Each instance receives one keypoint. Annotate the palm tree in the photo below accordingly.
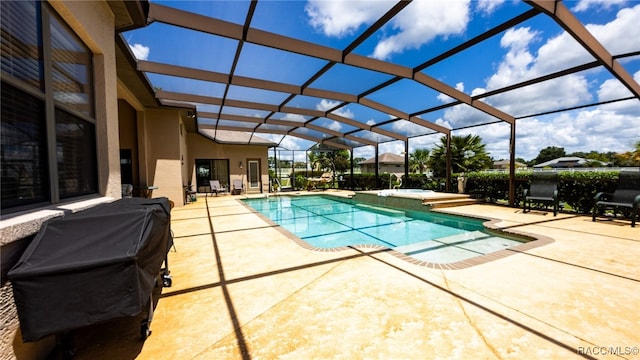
(316, 160)
(325, 158)
(467, 154)
(418, 161)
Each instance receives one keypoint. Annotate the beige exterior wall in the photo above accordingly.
(162, 156)
(200, 147)
(384, 168)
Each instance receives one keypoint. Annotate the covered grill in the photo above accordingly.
(93, 266)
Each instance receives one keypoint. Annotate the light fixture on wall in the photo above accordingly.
(191, 114)
(240, 164)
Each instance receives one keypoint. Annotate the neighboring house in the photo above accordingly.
(568, 162)
(79, 120)
(504, 164)
(387, 163)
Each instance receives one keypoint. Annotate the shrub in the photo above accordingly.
(575, 188)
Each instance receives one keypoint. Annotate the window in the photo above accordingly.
(48, 148)
(24, 158)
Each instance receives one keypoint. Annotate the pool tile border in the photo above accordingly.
(489, 223)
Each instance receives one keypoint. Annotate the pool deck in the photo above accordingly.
(242, 289)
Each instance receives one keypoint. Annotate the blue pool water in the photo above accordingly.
(327, 223)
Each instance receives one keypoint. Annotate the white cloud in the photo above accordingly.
(294, 117)
(488, 6)
(394, 147)
(610, 34)
(596, 129)
(464, 115)
(443, 122)
(344, 113)
(613, 89)
(561, 51)
(422, 21)
(446, 98)
(586, 4)
(417, 24)
(571, 90)
(292, 143)
(518, 61)
(519, 64)
(140, 51)
(340, 18)
(611, 127)
(335, 126)
(325, 105)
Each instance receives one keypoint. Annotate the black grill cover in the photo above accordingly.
(91, 266)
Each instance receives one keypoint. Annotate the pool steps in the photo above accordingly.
(409, 202)
(381, 210)
(449, 202)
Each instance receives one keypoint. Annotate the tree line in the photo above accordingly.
(468, 153)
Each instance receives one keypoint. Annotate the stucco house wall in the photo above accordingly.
(161, 141)
(383, 168)
(201, 147)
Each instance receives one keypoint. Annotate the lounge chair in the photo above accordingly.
(543, 191)
(238, 187)
(216, 187)
(285, 184)
(626, 197)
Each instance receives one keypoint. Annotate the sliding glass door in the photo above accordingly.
(211, 169)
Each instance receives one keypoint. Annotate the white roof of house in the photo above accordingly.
(507, 162)
(567, 161)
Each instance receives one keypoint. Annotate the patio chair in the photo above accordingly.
(543, 191)
(238, 187)
(189, 194)
(127, 190)
(216, 187)
(626, 197)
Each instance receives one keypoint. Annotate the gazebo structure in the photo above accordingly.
(107, 99)
(238, 42)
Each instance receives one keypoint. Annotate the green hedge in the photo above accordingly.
(576, 189)
(367, 181)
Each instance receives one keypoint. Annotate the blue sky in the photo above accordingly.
(531, 49)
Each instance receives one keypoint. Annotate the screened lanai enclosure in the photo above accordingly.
(297, 73)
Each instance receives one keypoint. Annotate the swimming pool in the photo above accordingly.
(323, 222)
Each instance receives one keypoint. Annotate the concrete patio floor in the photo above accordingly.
(242, 289)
